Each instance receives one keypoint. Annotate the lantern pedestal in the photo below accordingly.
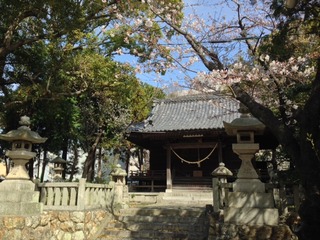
(17, 192)
(18, 197)
(247, 177)
(249, 203)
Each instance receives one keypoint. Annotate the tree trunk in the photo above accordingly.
(88, 169)
(92, 166)
(7, 162)
(99, 170)
(64, 156)
(310, 163)
(44, 164)
(74, 163)
(30, 168)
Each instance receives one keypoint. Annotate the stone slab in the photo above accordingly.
(19, 196)
(249, 186)
(16, 208)
(17, 185)
(251, 216)
(143, 199)
(242, 199)
(245, 148)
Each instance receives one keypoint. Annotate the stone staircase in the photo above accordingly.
(158, 222)
(188, 197)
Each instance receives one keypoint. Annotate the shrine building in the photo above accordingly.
(187, 140)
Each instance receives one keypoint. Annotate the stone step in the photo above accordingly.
(163, 211)
(191, 193)
(188, 197)
(165, 226)
(148, 235)
(193, 188)
(141, 197)
(187, 201)
(157, 219)
(176, 197)
(158, 222)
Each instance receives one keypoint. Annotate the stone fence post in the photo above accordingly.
(81, 194)
(216, 198)
(219, 181)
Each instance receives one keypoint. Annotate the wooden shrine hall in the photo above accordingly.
(187, 141)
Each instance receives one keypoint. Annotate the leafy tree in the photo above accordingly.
(57, 66)
(35, 37)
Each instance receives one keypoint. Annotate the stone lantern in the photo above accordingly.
(58, 167)
(249, 203)
(17, 191)
(222, 172)
(245, 128)
(22, 140)
(119, 175)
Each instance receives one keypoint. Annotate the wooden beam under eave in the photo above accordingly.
(191, 145)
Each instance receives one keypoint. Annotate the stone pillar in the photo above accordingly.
(247, 177)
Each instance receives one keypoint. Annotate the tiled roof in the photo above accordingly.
(195, 112)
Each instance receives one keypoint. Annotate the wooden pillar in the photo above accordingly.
(220, 152)
(168, 171)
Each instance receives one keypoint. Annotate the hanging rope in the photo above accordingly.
(194, 162)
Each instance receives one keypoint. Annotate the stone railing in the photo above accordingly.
(76, 195)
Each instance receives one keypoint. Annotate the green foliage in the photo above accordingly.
(57, 67)
(297, 33)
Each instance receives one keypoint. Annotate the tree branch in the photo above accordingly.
(266, 116)
(202, 51)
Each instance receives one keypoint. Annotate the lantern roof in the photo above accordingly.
(221, 171)
(58, 160)
(23, 133)
(118, 171)
(246, 122)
